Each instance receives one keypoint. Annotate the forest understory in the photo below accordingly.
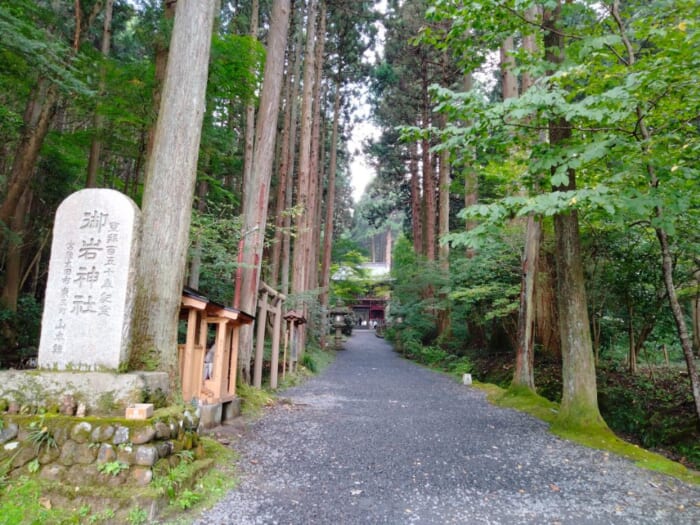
(653, 408)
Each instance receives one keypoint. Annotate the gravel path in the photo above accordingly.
(377, 439)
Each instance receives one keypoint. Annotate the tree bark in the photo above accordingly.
(283, 175)
(508, 77)
(444, 229)
(287, 166)
(249, 145)
(430, 207)
(257, 195)
(98, 121)
(161, 66)
(695, 312)
(169, 190)
(41, 107)
(471, 179)
(524, 374)
(330, 200)
(416, 200)
(315, 169)
(579, 404)
(13, 262)
(300, 268)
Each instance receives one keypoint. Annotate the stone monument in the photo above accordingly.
(90, 291)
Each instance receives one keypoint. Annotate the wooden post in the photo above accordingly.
(261, 321)
(187, 365)
(284, 356)
(276, 329)
(235, 331)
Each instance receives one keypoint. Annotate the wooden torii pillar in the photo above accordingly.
(271, 301)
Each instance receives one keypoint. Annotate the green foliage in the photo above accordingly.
(308, 362)
(20, 336)
(113, 468)
(218, 231)
(39, 48)
(137, 516)
(187, 499)
(33, 466)
(253, 400)
(40, 436)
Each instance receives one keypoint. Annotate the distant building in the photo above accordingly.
(369, 309)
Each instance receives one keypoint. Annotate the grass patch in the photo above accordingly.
(208, 489)
(253, 400)
(603, 439)
(314, 361)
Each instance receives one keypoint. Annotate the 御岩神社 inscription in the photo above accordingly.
(89, 295)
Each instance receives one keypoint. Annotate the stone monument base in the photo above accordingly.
(100, 392)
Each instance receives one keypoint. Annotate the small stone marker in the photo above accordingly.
(466, 379)
(90, 291)
(139, 411)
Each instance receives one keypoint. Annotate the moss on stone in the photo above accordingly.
(585, 428)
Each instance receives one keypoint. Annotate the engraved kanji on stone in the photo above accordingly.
(83, 304)
(94, 220)
(90, 249)
(85, 275)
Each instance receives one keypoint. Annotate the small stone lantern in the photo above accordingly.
(338, 313)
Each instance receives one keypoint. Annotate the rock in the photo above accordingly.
(165, 449)
(102, 433)
(61, 434)
(162, 430)
(13, 407)
(146, 455)
(53, 472)
(80, 433)
(68, 453)
(23, 456)
(81, 410)
(141, 476)
(106, 453)
(143, 435)
(8, 433)
(126, 454)
(49, 455)
(121, 435)
(190, 421)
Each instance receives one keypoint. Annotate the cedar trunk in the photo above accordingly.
(258, 193)
(330, 201)
(98, 121)
(416, 201)
(284, 159)
(169, 190)
(430, 207)
(301, 243)
(579, 404)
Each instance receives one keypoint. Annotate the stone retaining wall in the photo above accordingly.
(99, 392)
(89, 451)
